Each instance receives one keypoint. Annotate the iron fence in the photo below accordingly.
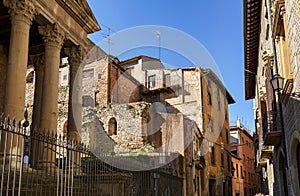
(36, 162)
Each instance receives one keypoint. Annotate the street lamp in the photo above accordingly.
(277, 82)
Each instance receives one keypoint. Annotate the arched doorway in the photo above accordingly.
(112, 127)
(282, 174)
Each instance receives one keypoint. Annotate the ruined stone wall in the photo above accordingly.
(129, 137)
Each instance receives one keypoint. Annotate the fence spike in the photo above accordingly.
(26, 113)
(2, 117)
(8, 120)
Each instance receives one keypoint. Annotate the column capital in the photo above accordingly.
(75, 55)
(37, 61)
(53, 35)
(21, 10)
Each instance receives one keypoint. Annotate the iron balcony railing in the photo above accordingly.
(269, 122)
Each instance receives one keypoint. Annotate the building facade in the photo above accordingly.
(272, 52)
(245, 180)
(201, 97)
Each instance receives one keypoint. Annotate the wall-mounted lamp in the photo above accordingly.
(277, 82)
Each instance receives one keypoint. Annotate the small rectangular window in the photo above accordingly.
(212, 156)
(151, 81)
(88, 73)
(237, 170)
(99, 76)
(65, 77)
(167, 80)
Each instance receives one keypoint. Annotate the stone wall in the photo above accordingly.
(292, 109)
(129, 136)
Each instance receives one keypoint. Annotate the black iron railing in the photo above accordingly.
(36, 162)
(269, 122)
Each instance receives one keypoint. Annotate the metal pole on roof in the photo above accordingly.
(159, 48)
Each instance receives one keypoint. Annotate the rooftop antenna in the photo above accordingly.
(108, 39)
(159, 48)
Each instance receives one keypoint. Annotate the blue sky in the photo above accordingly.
(218, 25)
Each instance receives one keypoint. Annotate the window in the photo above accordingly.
(228, 163)
(88, 73)
(218, 99)
(65, 77)
(209, 96)
(222, 160)
(209, 99)
(227, 136)
(237, 170)
(112, 127)
(129, 71)
(99, 76)
(242, 171)
(244, 158)
(151, 81)
(167, 80)
(212, 156)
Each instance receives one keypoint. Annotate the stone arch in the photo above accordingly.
(282, 171)
(112, 126)
(30, 77)
(295, 162)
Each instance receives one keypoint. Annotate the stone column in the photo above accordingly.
(22, 13)
(75, 58)
(39, 62)
(54, 38)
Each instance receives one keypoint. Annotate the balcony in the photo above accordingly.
(266, 152)
(271, 133)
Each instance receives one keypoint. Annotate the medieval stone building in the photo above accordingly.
(271, 32)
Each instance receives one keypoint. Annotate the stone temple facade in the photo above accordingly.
(36, 35)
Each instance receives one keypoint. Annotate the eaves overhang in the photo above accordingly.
(252, 14)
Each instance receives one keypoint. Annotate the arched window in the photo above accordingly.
(29, 77)
(112, 126)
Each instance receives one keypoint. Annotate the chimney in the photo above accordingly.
(238, 122)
